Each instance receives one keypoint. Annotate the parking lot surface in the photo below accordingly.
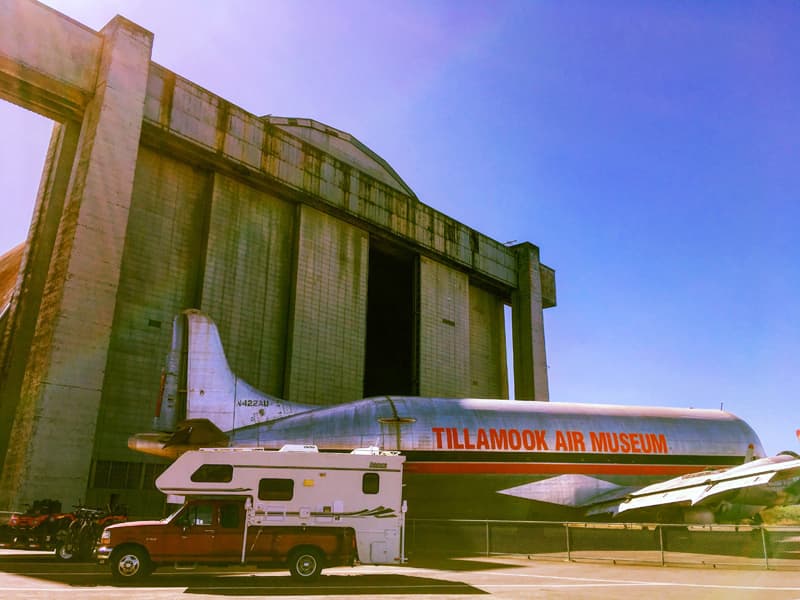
(33, 575)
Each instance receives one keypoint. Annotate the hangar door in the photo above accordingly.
(390, 363)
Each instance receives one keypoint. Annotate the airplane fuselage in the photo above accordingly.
(469, 458)
(465, 458)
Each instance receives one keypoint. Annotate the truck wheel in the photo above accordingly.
(64, 552)
(305, 564)
(130, 564)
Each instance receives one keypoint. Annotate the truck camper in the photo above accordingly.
(295, 507)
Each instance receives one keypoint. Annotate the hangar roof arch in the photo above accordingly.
(344, 147)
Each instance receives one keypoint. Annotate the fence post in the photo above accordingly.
(569, 554)
(487, 538)
(661, 541)
(764, 546)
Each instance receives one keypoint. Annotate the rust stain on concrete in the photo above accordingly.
(9, 267)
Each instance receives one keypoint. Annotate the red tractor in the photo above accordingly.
(37, 528)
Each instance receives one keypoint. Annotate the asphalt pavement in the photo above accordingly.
(34, 575)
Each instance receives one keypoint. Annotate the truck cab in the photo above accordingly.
(211, 531)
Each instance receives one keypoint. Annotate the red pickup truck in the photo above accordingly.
(211, 531)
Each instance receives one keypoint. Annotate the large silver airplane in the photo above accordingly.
(478, 458)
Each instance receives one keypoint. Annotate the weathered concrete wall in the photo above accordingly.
(325, 362)
(280, 149)
(17, 334)
(50, 61)
(247, 279)
(161, 274)
(444, 331)
(64, 374)
(488, 370)
(158, 195)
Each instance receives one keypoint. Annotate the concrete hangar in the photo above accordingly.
(328, 278)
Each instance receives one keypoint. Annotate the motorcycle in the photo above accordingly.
(79, 540)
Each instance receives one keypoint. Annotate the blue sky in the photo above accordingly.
(650, 149)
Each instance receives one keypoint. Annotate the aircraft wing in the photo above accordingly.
(759, 482)
(707, 487)
(568, 490)
(691, 495)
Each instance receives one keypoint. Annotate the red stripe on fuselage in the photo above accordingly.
(486, 468)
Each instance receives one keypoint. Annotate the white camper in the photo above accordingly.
(295, 507)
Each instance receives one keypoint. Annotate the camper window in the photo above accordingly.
(370, 483)
(213, 474)
(276, 489)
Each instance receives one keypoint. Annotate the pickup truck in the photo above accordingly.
(212, 532)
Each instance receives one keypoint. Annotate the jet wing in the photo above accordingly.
(739, 483)
(706, 487)
(690, 495)
(755, 482)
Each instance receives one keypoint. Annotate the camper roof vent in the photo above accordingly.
(299, 448)
(226, 449)
(369, 450)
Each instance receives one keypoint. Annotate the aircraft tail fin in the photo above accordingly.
(199, 384)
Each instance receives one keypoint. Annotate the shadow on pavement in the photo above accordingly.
(355, 584)
(243, 582)
(450, 563)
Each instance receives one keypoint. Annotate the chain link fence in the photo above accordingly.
(665, 544)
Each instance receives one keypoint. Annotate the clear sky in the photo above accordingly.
(650, 149)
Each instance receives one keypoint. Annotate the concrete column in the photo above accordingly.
(16, 343)
(530, 362)
(50, 447)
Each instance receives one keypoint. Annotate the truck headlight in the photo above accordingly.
(105, 538)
